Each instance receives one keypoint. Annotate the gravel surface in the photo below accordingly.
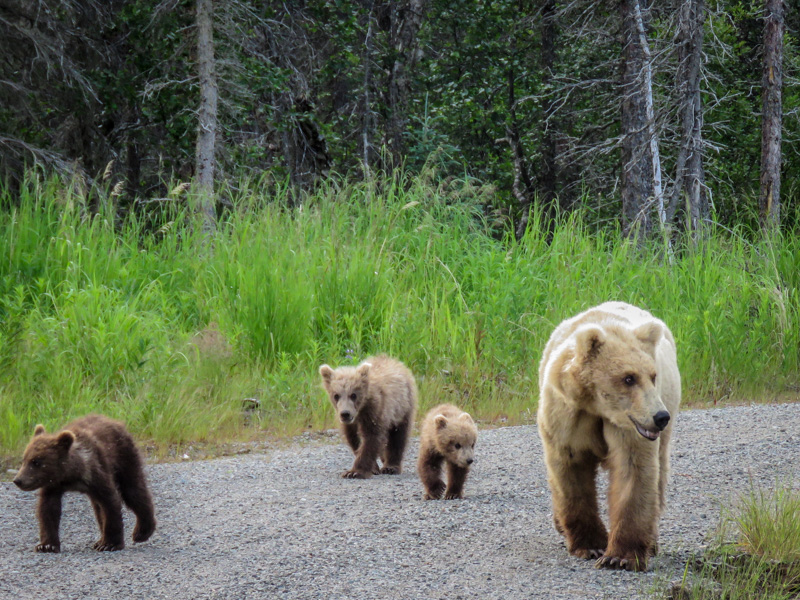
(285, 525)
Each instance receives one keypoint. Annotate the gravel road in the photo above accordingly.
(285, 525)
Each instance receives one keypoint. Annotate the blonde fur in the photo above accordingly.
(448, 435)
(608, 378)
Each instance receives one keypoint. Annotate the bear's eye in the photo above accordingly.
(629, 380)
(458, 446)
(353, 397)
(36, 463)
(336, 397)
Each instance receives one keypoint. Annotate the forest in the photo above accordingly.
(604, 106)
(200, 202)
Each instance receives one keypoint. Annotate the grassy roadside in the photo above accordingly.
(145, 323)
(755, 552)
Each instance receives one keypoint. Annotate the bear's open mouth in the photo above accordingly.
(646, 433)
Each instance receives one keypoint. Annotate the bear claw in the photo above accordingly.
(435, 491)
(48, 548)
(355, 475)
(102, 546)
(589, 553)
(390, 470)
(453, 496)
(625, 564)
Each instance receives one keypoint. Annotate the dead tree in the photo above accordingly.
(769, 202)
(207, 115)
(641, 164)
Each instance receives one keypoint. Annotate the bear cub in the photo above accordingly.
(375, 403)
(447, 435)
(96, 456)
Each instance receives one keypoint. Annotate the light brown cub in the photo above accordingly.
(448, 434)
(375, 403)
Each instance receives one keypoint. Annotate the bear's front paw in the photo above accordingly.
(353, 474)
(435, 491)
(391, 470)
(453, 495)
(104, 546)
(48, 547)
(633, 562)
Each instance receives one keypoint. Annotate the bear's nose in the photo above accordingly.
(661, 419)
(17, 482)
(346, 416)
(470, 461)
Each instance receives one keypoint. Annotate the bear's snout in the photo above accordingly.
(470, 461)
(661, 419)
(346, 416)
(25, 486)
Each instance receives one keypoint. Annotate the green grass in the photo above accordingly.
(755, 553)
(153, 325)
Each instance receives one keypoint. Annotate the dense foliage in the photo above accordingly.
(173, 333)
(309, 88)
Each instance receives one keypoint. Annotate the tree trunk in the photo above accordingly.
(365, 126)
(406, 20)
(769, 203)
(548, 175)
(641, 164)
(521, 187)
(207, 115)
(689, 171)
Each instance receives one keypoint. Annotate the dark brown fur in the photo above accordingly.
(96, 456)
(447, 436)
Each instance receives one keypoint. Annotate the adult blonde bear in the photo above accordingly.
(609, 390)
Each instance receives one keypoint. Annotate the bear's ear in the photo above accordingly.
(38, 430)
(466, 417)
(649, 333)
(440, 421)
(327, 374)
(363, 370)
(65, 439)
(588, 341)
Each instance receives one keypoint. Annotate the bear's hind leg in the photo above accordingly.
(105, 494)
(395, 448)
(98, 514)
(575, 512)
(135, 494)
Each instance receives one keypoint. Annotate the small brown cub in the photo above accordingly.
(447, 434)
(96, 456)
(375, 403)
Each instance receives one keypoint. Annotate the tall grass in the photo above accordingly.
(755, 552)
(170, 332)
